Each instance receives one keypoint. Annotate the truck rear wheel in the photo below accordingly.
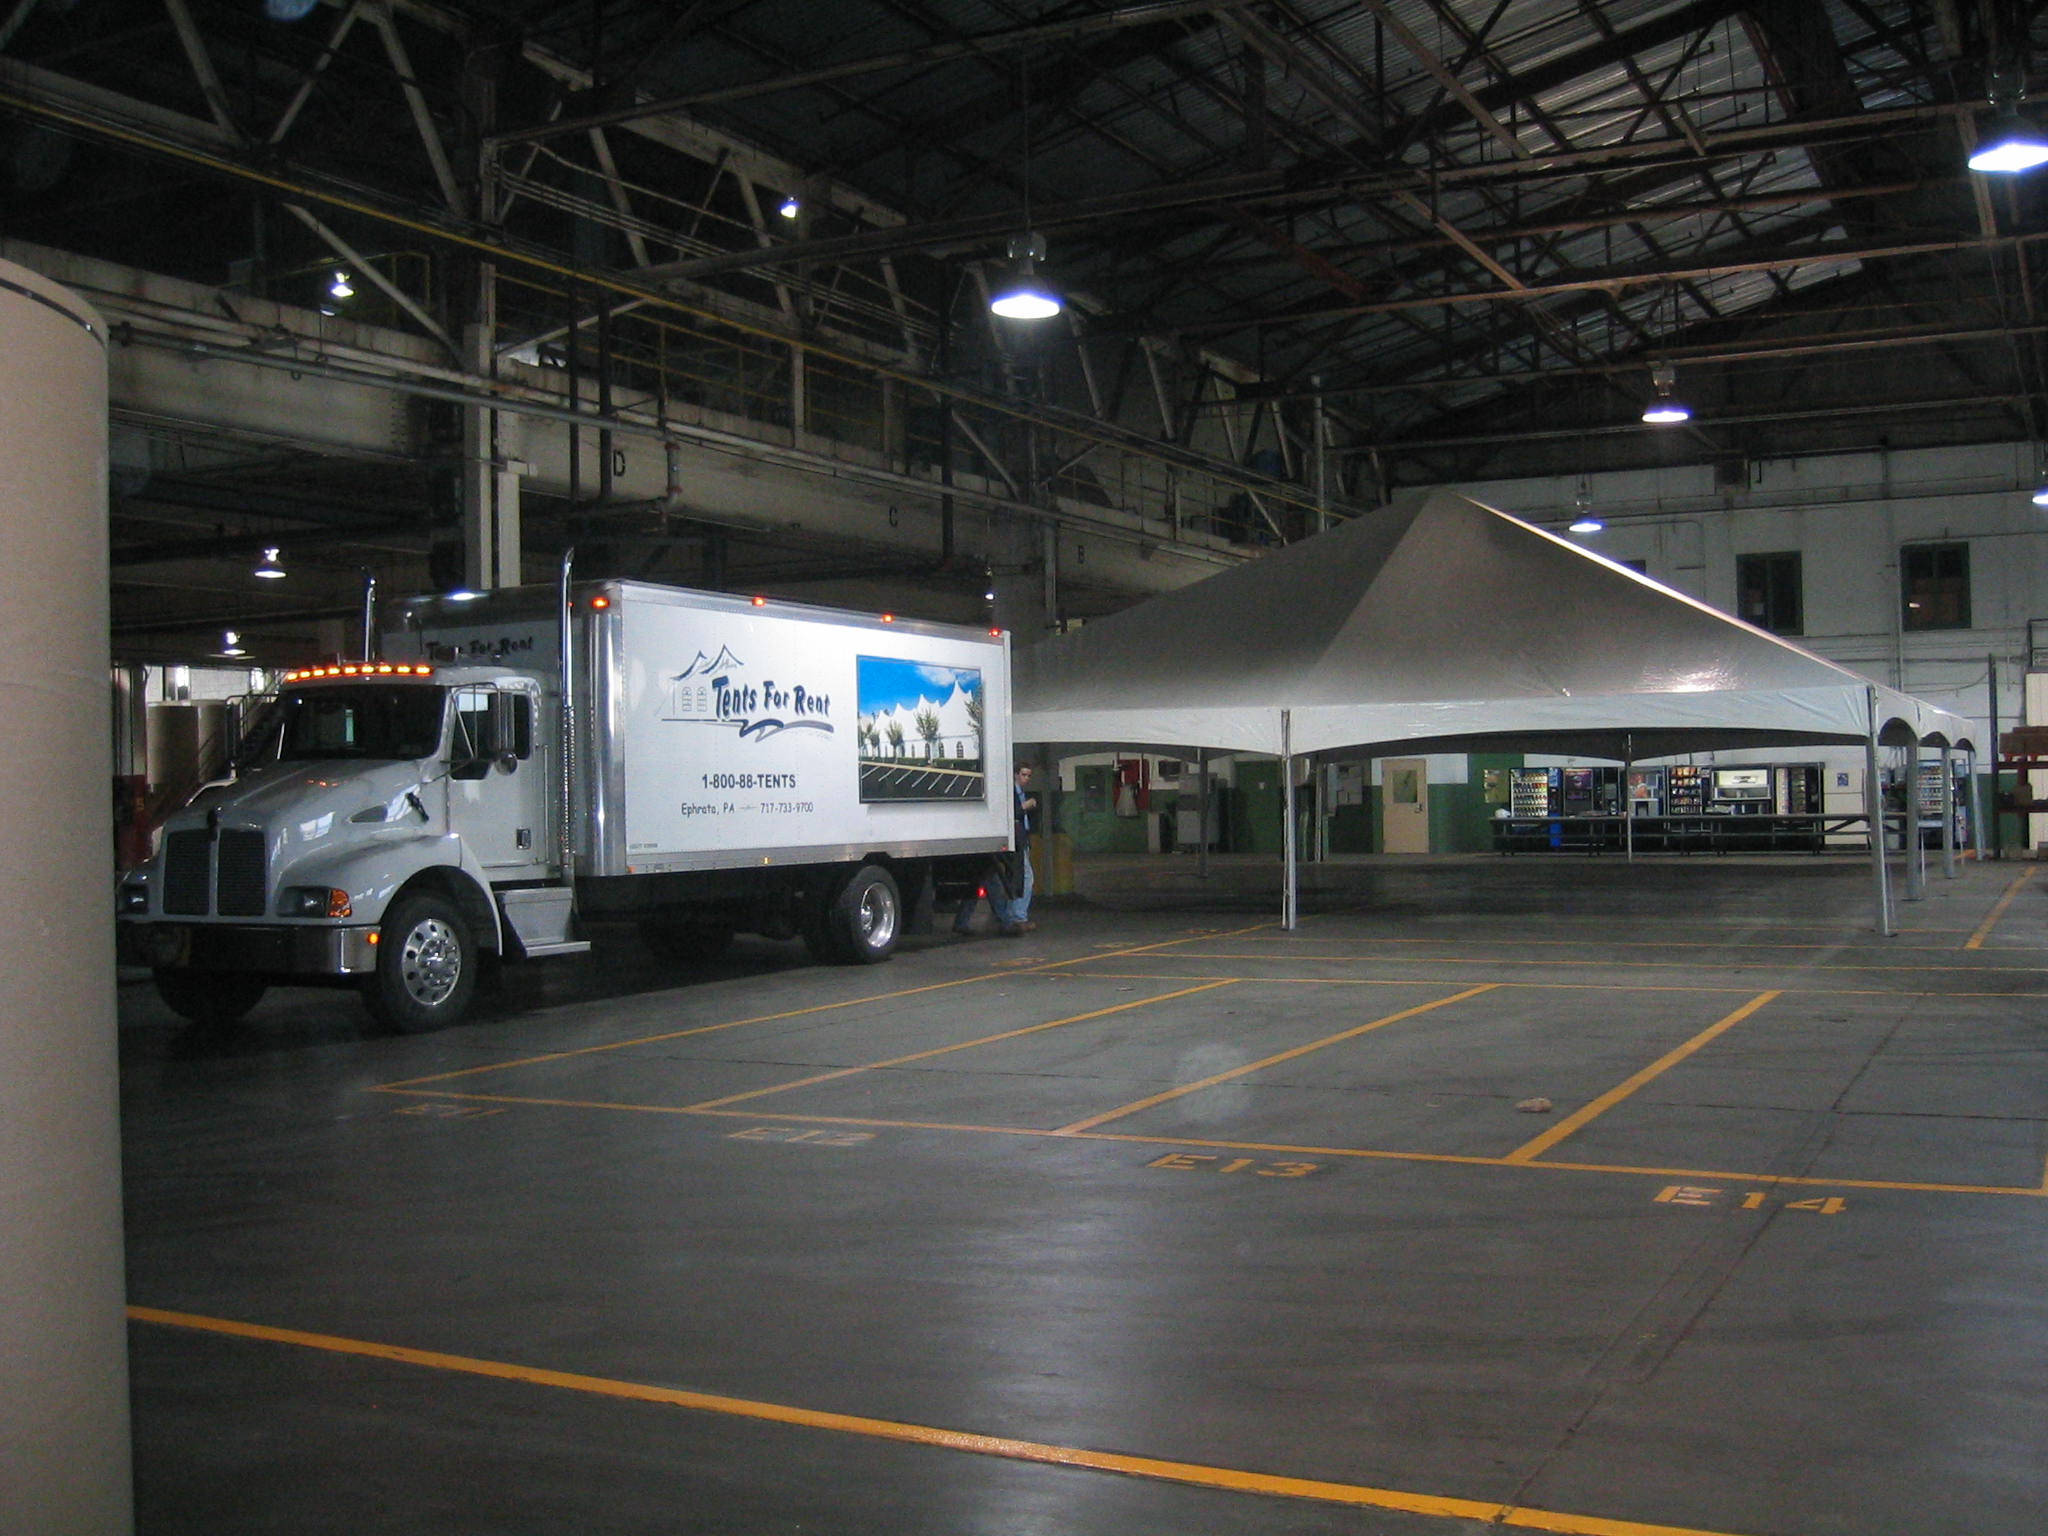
(426, 966)
(865, 919)
(209, 997)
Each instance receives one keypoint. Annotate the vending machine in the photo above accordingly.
(1577, 792)
(1741, 791)
(1646, 791)
(1688, 790)
(1928, 798)
(1531, 791)
(1796, 789)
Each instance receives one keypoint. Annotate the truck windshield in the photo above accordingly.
(391, 721)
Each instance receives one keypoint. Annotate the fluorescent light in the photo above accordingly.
(2010, 144)
(463, 595)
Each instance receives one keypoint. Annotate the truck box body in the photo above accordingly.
(718, 733)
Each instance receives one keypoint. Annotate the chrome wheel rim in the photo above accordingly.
(430, 962)
(877, 917)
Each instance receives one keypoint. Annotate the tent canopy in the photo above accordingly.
(1438, 624)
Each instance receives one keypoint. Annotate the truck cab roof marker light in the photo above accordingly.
(360, 669)
(760, 602)
(600, 601)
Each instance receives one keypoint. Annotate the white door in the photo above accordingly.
(497, 779)
(1404, 805)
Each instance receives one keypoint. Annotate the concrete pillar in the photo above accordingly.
(492, 449)
(64, 1462)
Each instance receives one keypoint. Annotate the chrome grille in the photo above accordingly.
(185, 872)
(240, 875)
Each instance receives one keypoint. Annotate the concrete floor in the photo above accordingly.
(1158, 1220)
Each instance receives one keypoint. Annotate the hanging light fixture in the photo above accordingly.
(2011, 143)
(1024, 295)
(231, 644)
(791, 206)
(1584, 521)
(341, 287)
(268, 568)
(1666, 409)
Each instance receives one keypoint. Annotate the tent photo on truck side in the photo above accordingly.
(920, 730)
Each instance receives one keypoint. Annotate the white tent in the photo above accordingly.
(1438, 624)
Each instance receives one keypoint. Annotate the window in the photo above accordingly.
(360, 720)
(489, 725)
(473, 744)
(1935, 583)
(1767, 592)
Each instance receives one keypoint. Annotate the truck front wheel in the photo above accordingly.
(426, 966)
(211, 998)
(865, 919)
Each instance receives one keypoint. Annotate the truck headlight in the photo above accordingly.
(315, 901)
(133, 896)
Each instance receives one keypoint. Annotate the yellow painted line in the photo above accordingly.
(964, 1045)
(794, 1013)
(1862, 937)
(1646, 965)
(681, 1034)
(1369, 1154)
(1976, 940)
(1530, 1150)
(1543, 986)
(1196, 1474)
(1289, 1055)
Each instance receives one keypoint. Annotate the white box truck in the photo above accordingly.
(717, 764)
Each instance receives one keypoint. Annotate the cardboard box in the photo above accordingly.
(2024, 741)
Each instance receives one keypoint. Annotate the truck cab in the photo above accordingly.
(389, 825)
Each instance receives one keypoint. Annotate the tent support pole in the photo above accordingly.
(1916, 856)
(1976, 804)
(1976, 822)
(1202, 826)
(1289, 912)
(1873, 806)
(1622, 802)
(1948, 812)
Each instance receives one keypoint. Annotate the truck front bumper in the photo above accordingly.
(247, 947)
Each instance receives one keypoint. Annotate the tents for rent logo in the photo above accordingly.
(711, 691)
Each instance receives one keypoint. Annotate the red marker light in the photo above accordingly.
(600, 602)
(888, 618)
(760, 602)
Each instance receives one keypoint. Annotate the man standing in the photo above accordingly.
(1014, 916)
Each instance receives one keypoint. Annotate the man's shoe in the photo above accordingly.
(963, 933)
(1012, 930)
(1026, 927)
